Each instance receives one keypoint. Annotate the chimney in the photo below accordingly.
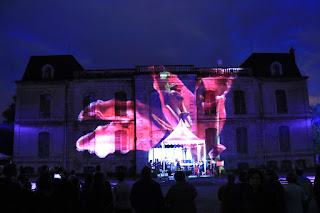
(292, 54)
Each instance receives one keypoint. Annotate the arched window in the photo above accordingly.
(120, 108)
(276, 68)
(86, 140)
(45, 106)
(209, 102)
(281, 101)
(211, 139)
(242, 140)
(88, 98)
(284, 139)
(121, 143)
(43, 144)
(47, 72)
(239, 102)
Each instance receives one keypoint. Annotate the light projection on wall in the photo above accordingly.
(169, 101)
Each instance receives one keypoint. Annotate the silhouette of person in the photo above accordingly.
(84, 192)
(275, 191)
(122, 195)
(44, 191)
(316, 187)
(294, 195)
(146, 195)
(306, 185)
(99, 198)
(27, 198)
(225, 194)
(256, 199)
(181, 196)
(240, 191)
(10, 189)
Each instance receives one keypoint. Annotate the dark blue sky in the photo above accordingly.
(125, 33)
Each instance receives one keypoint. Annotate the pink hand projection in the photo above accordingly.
(216, 150)
(114, 136)
(175, 103)
(102, 140)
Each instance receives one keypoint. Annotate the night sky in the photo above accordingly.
(124, 33)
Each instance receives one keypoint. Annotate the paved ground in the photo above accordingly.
(207, 201)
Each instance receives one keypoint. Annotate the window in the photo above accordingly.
(211, 139)
(209, 102)
(120, 104)
(45, 106)
(88, 98)
(242, 140)
(239, 102)
(121, 143)
(43, 144)
(281, 101)
(86, 140)
(276, 68)
(284, 139)
(47, 72)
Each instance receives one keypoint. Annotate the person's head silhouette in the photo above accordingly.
(179, 176)
(145, 172)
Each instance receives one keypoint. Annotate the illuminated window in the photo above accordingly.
(88, 98)
(239, 102)
(45, 106)
(211, 138)
(276, 68)
(242, 140)
(284, 139)
(47, 72)
(209, 102)
(120, 104)
(121, 143)
(43, 144)
(281, 101)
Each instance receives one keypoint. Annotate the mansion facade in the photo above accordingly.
(75, 118)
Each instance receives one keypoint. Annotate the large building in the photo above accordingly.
(75, 118)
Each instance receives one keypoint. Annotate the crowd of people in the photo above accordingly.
(55, 191)
(261, 191)
(58, 191)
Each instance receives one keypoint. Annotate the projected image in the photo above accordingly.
(170, 101)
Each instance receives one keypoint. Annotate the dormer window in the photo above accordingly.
(276, 68)
(47, 72)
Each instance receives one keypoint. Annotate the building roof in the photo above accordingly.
(261, 63)
(63, 67)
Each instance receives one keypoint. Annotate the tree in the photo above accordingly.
(9, 113)
(315, 121)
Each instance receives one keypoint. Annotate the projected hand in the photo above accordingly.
(216, 150)
(115, 136)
